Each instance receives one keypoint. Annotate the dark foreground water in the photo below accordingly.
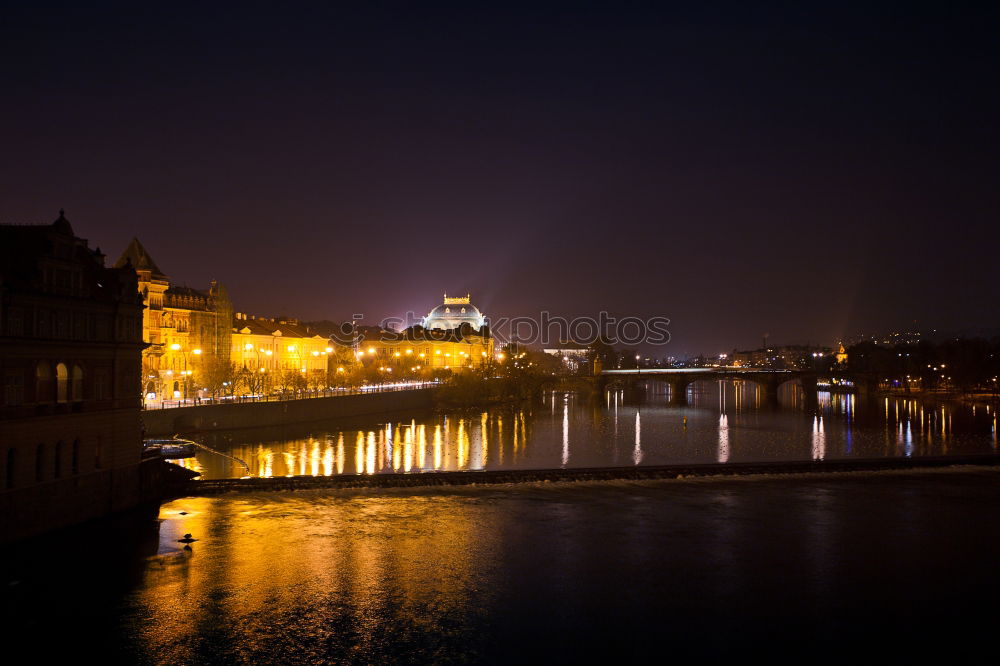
(897, 567)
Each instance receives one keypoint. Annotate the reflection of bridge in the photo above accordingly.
(680, 379)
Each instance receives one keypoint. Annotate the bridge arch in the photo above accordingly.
(680, 380)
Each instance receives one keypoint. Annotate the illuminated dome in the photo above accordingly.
(453, 313)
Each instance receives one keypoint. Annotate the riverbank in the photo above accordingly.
(938, 397)
(219, 417)
(636, 473)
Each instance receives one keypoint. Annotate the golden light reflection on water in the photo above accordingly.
(261, 561)
(720, 426)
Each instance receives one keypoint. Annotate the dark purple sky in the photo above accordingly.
(738, 169)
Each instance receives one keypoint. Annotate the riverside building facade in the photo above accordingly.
(275, 347)
(187, 330)
(71, 341)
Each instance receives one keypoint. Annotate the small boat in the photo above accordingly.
(175, 447)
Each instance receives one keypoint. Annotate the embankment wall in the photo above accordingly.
(207, 418)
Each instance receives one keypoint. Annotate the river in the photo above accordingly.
(894, 566)
(723, 423)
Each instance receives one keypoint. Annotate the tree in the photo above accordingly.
(253, 381)
(601, 350)
(218, 375)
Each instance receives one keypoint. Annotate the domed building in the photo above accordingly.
(453, 313)
(441, 343)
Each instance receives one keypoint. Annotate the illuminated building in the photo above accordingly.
(454, 336)
(572, 354)
(186, 328)
(275, 345)
(70, 357)
(787, 357)
(841, 355)
(453, 313)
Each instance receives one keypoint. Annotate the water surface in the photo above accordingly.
(725, 422)
(893, 566)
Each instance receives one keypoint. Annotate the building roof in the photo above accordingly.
(453, 313)
(139, 258)
(280, 328)
(24, 248)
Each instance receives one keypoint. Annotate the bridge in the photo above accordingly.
(680, 379)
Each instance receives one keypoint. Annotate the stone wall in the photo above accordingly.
(47, 506)
(207, 418)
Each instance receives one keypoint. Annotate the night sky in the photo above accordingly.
(738, 168)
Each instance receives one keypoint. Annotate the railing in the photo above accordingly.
(286, 396)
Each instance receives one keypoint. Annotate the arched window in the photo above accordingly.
(77, 383)
(62, 383)
(10, 474)
(40, 463)
(57, 461)
(43, 382)
(75, 461)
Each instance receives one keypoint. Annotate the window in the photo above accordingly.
(61, 321)
(43, 324)
(10, 473)
(77, 383)
(57, 461)
(62, 383)
(100, 386)
(75, 460)
(43, 382)
(98, 453)
(15, 322)
(13, 388)
(40, 463)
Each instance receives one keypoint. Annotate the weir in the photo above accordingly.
(638, 473)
